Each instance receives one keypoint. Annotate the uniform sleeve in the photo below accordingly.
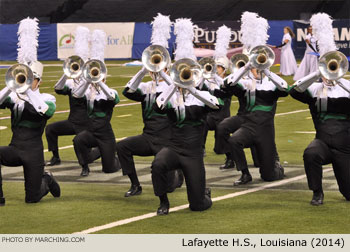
(138, 95)
(304, 97)
(50, 100)
(67, 88)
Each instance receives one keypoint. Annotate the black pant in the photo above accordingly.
(224, 130)
(32, 160)
(329, 149)
(61, 128)
(193, 170)
(263, 138)
(86, 140)
(144, 146)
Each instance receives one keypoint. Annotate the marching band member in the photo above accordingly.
(78, 119)
(100, 101)
(288, 62)
(156, 132)
(222, 65)
(30, 111)
(329, 103)
(309, 62)
(184, 150)
(261, 95)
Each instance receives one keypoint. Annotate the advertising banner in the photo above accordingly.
(341, 30)
(119, 38)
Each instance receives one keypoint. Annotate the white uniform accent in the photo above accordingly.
(288, 62)
(309, 63)
(332, 91)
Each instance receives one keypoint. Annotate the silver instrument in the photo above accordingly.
(186, 73)
(208, 66)
(155, 58)
(94, 71)
(19, 78)
(237, 61)
(261, 57)
(73, 66)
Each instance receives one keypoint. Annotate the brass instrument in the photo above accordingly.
(333, 65)
(186, 73)
(19, 78)
(72, 66)
(237, 61)
(261, 57)
(94, 71)
(208, 66)
(155, 58)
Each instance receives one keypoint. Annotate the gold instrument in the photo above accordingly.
(155, 58)
(72, 66)
(94, 71)
(19, 78)
(208, 66)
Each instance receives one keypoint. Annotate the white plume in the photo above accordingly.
(161, 27)
(81, 42)
(184, 37)
(28, 33)
(253, 30)
(223, 36)
(98, 44)
(323, 31)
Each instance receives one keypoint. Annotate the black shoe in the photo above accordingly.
(317, 199)
(54, 187)
(134, 190)
(229, 164)
(244, 179)
(163, 209)
(207, 192)
(85, 172)
(53, 161)
(2, 201)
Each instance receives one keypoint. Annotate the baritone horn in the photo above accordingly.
(186, 73)
(19, 78)
(237, 61)
(155, 58)
(208, 67)
(333, 65)
(94, 71)
(72, 66)
(261, 57)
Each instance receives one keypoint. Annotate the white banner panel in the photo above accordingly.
(119, 38)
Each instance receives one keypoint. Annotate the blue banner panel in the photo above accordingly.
(47, 42)
(142, 39)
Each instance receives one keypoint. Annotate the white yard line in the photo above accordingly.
(292, 112)
(174, 209)
(127, 115)
(305, 132)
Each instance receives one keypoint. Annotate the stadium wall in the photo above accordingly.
(128, 40)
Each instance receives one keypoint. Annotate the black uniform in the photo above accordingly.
(184, 150)
(77, 122)
(258, 126)
(100, 133)
(156, 132)
(329, 107)
(26, 146)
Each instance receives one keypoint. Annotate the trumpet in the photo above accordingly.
(237, 61)
(94, 71)
(332, 65)
(208, 67)
(261, 57)
(19, 78)
(186, 73)
(72, 66)
(155, 58)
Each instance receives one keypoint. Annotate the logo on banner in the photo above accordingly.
(66, 41)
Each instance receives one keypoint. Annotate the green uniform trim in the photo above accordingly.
(325, 116)
(51, 110)
(98, 114)
(116, 99)
(221, 102)
(262, 108)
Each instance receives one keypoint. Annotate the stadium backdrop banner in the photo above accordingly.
(119, 39)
